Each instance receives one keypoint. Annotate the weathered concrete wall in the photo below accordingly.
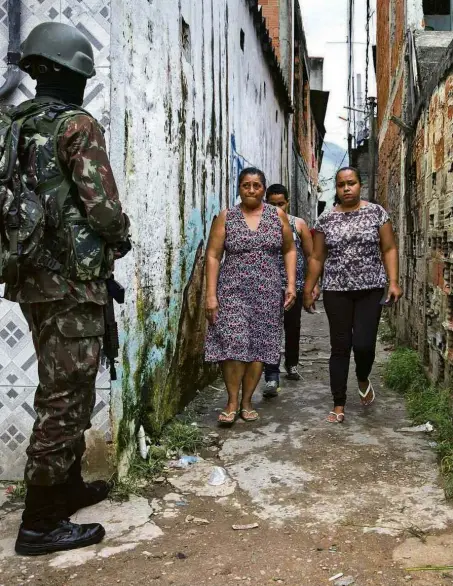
(431, 229)
(316, 73)
(415, 17)
(193, 101)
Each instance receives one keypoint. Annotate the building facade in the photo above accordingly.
(415, 116)
(189, 93)
(304, 76)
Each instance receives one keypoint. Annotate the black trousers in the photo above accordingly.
(353, 321)
(292, 320)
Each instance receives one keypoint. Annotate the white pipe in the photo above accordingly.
(143, 448)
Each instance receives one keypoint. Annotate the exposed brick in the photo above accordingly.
(422, 207)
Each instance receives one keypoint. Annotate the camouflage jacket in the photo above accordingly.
(81, 152)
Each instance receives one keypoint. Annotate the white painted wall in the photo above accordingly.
(414, 14)
(183, 122)
(174, 115)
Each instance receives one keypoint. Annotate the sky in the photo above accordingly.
(325, 23)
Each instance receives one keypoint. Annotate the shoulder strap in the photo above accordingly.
(19, 116)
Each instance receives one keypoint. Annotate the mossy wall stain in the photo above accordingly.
(178, 162)
(123, 438)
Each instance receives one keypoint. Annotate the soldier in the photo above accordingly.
(63, 156)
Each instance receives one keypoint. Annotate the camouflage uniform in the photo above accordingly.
(65, 314)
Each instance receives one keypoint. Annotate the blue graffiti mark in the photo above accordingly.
(238, 163)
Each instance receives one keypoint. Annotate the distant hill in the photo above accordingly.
(334, 156)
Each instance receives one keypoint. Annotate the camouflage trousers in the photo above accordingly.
(67, 341)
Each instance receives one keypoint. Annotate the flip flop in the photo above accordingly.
(364, 395)
(249, 415)
(339, 417)
(228, 418)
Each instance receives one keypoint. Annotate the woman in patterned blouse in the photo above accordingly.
(355, 245)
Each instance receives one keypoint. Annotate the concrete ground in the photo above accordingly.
(361, 501)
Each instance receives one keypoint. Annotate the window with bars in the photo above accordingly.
(438, 15)
(440, 7)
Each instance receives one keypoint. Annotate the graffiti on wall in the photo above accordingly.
(238, 163)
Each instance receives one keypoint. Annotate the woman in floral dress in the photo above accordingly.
(244, 303)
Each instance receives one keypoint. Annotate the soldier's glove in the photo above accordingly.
(122, 248)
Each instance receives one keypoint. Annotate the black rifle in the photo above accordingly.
(111, 341)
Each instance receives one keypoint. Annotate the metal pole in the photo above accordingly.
(372, 152)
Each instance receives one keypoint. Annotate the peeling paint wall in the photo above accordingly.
(415, 16)
(193, 100)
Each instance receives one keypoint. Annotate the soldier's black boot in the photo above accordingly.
(82, 494)
(45, 525)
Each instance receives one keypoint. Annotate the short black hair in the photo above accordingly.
(353, 169)
(252, 171)
(277, 189)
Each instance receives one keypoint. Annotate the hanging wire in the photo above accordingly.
(367, 56)
(350, 52)
(353, 77)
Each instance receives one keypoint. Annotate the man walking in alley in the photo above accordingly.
(277, 195)
(63, 160)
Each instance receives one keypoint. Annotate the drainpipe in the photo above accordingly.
(12, 77)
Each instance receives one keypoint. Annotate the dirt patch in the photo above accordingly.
(329, 499)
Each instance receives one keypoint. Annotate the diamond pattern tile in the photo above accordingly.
(92, 18)
(16, 421)
(18, 364)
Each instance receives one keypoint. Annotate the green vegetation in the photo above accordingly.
(425, 402)
(182, 437)
(404, 371)
(141, 472)
(387, 332)
(177, 438)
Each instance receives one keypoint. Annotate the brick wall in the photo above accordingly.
(415, 183)
(271, 12)
(305, 134)
(390, 158)
(383, 57)
(433, 196)
(391, 28)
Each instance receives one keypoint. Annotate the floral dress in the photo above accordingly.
(354, 260)
(249, 292)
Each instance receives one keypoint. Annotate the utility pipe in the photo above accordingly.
(12, 76)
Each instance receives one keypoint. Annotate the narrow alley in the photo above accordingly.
(360, 501)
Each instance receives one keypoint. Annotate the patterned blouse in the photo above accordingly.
(300, 267)
(354, 259)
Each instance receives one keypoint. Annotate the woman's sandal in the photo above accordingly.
(339, 417)
(365, 394)
(226, 418)
(249, 415)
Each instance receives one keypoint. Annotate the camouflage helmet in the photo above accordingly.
(59, 43)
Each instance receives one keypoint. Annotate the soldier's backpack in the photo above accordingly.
(22, 214)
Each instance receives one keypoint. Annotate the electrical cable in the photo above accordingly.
(367, 56)
(350, 49)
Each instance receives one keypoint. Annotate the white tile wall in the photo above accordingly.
(18, 366)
